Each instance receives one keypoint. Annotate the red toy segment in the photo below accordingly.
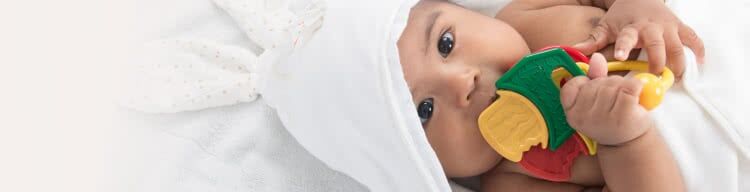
(554, 165)
(576, 55)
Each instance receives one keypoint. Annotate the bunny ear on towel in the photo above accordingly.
(344, 98)
(211, 63)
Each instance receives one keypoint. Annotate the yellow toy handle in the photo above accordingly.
(653, 87)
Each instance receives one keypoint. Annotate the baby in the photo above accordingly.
(452, 56)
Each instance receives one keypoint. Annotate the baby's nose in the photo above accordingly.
(467, 86)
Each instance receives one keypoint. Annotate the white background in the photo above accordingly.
(56, 61)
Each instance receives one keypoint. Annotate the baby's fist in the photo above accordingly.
(605, 108)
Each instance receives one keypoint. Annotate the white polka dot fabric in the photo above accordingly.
(199, 67)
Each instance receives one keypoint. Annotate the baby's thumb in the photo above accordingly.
(597, 66)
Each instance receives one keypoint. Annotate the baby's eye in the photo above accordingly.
(445, 44)
(424, 110)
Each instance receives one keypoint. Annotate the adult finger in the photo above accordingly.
(690, 39)
(653, 41)
(626, 40)
(598, 39)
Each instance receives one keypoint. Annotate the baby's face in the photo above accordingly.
(451, 58)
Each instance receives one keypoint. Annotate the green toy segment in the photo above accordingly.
(532, 78)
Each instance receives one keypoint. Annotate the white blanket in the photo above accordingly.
(704, 120)
(235, 148)
(245, 147)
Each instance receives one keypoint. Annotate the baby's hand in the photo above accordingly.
(605, 108)
(645, 24)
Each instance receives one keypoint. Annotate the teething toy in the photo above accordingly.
(653, 87)
(554, 165)
(527, 123)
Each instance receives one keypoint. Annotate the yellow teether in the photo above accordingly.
(590, 144)
(652, 92)
(512, 125)
(653, 87)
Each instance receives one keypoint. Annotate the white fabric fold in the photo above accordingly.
(344, 98)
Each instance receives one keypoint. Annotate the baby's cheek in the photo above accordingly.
(476, 150)
(449, 143)
(450, 138)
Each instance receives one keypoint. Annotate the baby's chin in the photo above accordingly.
(489, 161)
(482, 162)
(473, 168)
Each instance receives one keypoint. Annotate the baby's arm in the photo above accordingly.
(511, 181)
(536, 5)
(632, 154)
(642, 164)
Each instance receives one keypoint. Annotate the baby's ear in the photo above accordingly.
(597, 66)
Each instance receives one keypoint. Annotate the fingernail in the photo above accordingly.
(620, 55)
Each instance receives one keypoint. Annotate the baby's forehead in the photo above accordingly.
(427, 8)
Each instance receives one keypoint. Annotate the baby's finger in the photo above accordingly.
(607, 95)
(605, 99)
(587, 96)
(691, 40)
(653, 42)
(598, 39)
(676, 54)
(627, 97)
(626, 40)
(569, 91)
